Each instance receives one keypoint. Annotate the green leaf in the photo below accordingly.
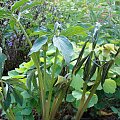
(25, 94)
(26, 111)
(29, 64)
(77, 82)
(109, 86)
(38, 44)
(64, 45)
(18, 4)
(18, 97)
(13, 73)
(74, 30)
(70, 98)
(20, 70)
(116, 70)
(78, 95)
(93, 100)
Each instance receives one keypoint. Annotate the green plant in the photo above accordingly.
(42, 79)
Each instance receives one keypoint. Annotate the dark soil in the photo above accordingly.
(67, 112)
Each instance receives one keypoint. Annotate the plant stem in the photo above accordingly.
(45, 69)
(11, 114)
(51, 86)
(23, 30)
(56, 103)
(82, 101)
(36, 61)
(35, 58)
(96, 84)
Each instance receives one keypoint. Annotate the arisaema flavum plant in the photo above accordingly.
(44, 82)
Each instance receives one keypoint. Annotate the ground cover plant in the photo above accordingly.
(72, 57)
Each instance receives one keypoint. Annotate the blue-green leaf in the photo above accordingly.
(64, 45)
(38, 44)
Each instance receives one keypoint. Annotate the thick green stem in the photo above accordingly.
(35, 58)
(82, 101)
(45, 69)
(56, 103)
(96, 84)
(51, 86)
(11, 114)
(88, 100)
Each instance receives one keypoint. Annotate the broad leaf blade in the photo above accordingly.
(109, 86)
(18, 4)
(77, 82)
(64, 45)
(74, 30)
(38, 44)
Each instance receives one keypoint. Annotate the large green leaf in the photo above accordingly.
(74, 30)
(109, 86)
(64, 45)
(93, 100)
(70, 98)
(13, 73)
(77, 82)
(78, 95)
(18, 4)
(38, 44)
